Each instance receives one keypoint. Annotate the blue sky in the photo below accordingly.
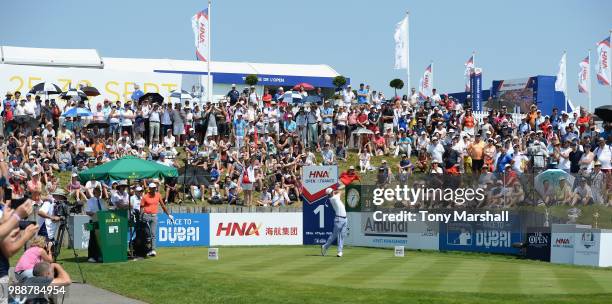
(512, 39)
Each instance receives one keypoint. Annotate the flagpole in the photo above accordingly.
(408, 52)
(589, 79)
(565, 78)
(208, 78)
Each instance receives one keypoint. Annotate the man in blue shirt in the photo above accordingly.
(279, 94)
(233, 95)
(137, 93)
(362, 94)
(327, 115)
(504, 158)
(240, 129)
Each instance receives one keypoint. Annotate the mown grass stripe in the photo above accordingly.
(465, 277)
(329, 266)
(431, 277)
(576, 281)
(501, 276)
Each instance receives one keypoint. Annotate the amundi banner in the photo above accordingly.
(365, 231)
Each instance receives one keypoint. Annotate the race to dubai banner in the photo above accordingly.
(112, 84)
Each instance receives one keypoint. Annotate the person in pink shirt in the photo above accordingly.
(37, 252)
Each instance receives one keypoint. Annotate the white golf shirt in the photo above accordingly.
(338, 206)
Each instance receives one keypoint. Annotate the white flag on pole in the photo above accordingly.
(426, 82)
(561, 83)
(200, 26)
(603, 62)
(584, 76)
(401, 44)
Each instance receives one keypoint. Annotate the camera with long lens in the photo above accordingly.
(63, 209)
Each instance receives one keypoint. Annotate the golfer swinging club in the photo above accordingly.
(339, 222)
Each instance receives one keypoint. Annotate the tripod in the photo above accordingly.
(57, 244)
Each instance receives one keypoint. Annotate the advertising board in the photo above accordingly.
(282, 228)
(187, 229)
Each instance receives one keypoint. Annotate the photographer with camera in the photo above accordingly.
(38, 251)
(47, 215)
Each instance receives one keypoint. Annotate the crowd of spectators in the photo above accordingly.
(248, 148)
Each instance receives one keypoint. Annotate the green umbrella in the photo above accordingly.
(128, 167)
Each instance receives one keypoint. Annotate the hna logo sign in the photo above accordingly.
(238, 229)
(318, 174)
(562, 241)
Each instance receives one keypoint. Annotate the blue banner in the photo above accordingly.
(476, 92)
(490, 237)
(188, 229)
(264, 79)
(318, 218)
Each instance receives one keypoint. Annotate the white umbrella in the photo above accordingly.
(45, 87)
(180, 94)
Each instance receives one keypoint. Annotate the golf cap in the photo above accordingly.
(233, 85)
(597, 163)
(192, 139)
(562, 178)
(138, 188)
(352, 168)
(35, 173)
(507, 166)
(329, 191)
(152, 185)
(74, 175)
(384, 161)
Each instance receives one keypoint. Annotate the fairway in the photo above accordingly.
(298, 274)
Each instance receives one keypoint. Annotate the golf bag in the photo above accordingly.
(141, 243)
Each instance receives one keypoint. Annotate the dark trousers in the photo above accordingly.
(164, 130)
(93, 249)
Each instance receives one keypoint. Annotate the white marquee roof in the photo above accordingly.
(91, 59)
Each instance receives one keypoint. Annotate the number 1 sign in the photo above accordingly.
(318, 218)
(318, 214)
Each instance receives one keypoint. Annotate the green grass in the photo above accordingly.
(297, 274)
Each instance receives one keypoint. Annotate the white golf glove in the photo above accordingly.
(171, 217)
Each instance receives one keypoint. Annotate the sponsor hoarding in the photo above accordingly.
(563, 241)
(317, 213)
(364, 231)
(112, 84)
(593, 247)
(187, 229)
(491, 237)
(284, 228)
(538, 244)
